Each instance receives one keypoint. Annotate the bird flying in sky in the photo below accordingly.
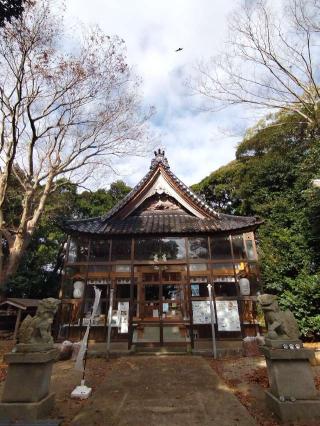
(179, 49)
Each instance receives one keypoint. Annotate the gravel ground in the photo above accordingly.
(246, 378)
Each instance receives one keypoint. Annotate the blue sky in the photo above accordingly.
(196, 142)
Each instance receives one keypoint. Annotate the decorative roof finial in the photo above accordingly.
(159, 157)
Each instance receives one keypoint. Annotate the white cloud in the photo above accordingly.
(152, 31)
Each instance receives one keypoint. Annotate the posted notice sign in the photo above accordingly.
(123, 315)
(228, 315)
(201, 312)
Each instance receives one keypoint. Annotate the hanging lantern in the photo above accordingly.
(244, 285)
(78, 289)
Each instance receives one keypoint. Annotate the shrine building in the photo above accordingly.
(153, 256)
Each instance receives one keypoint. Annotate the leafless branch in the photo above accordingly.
(271, 60)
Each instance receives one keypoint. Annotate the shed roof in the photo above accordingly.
(21, 303)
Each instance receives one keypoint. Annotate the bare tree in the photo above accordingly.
(66, 108)
(271, 60)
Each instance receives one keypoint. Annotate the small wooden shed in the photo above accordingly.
(19, 308)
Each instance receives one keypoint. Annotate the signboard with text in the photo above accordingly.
(228, 315)
(201, 312)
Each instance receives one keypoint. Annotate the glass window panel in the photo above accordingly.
(160, 249)
(78, 250)
(253, 277)
(238, 247)
(123, 268)
(171, 276)
(174, 333)
(222, 269)
(148, 310)
(249, 311)
(172, 292)
(146, 249)
(151, 292)
(69, 314)
(173, 311)
(220, 247)
(241, 269)
(150, 277)
(123, 291)
(99, 250)
(250, 250)
(174, 248)
(198, 248)
(121, 250)
(198, 267)
(199, 290)
(99, 268)
(225, 289)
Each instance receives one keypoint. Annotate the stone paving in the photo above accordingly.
(163, 391)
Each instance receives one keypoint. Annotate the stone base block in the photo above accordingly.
(278, 343)
(290, 373)
(27, 410)
(315, 360)
(286, 411)
(29, 375)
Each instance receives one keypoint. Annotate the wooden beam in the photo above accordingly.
(16, 328)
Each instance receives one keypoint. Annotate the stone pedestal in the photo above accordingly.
(26, 392)
(292, 394)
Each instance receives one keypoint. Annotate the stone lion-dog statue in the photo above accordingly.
(281, 324)
(36, 331)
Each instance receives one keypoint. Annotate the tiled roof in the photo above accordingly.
(163, 223)
(160, 159)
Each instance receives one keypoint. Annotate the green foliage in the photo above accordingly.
(271, 178)
(39, 272)
(10, 9)
(302, 297)
(92, 204)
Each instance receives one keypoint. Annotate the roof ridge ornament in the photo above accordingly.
(159, 157)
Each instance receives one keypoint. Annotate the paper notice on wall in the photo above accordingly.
(228, 315)
(165, 307)
(195, 290)
(115, 318)
(201, 312)
(123, 317)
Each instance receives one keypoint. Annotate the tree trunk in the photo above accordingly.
(16, 253)
(1, 254)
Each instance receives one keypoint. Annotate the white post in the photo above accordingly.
(109, 321)
(214, 346)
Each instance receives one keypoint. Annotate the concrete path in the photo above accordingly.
(163, 391)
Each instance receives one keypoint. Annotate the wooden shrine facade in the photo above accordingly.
(153, 256)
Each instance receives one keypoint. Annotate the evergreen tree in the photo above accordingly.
(271, 178)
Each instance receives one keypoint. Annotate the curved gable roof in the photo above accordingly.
(127, 218)
(160, 166)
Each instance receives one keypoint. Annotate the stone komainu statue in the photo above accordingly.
(37, 329)
(281, 324)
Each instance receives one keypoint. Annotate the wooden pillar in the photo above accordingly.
(16, 327)
(131, 304)
(188, 284)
